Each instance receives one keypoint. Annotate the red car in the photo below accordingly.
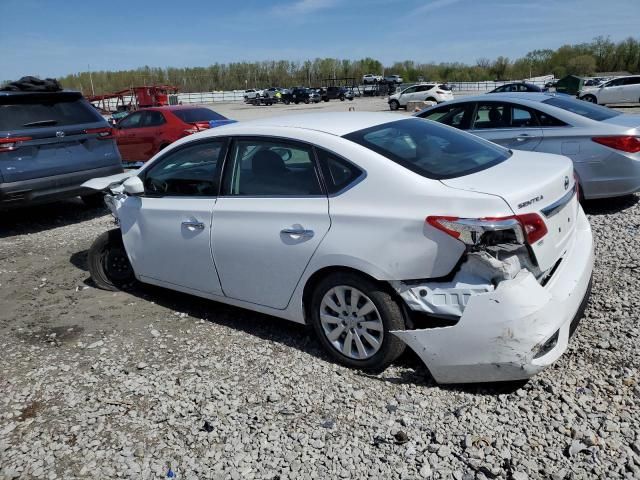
(143, 133)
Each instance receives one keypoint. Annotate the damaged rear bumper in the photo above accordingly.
(515, 330)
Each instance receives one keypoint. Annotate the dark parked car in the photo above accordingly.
(518, 87)
(50, 143)
(336, 93)
(301, 94)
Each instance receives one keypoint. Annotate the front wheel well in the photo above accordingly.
(314, 279)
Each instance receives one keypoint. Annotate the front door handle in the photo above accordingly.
(297, 231)
(525, 136)
(193, 225)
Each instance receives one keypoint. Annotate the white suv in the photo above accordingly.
(421, 92)
(618, 90)
(371, 78)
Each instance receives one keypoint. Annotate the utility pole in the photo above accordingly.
(91, 80)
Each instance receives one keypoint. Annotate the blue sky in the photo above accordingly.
(53, 38)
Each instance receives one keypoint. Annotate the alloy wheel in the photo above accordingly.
(351, 322)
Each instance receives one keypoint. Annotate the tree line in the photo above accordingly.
(599, 55)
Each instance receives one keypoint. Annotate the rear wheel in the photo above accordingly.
(108, 263)
(306, 100)
(590, 99)
(353, 317)
(287, 102)
(394, 105)
(342, 98)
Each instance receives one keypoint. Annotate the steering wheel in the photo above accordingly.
(158, 186)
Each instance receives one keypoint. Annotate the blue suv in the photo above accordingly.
(50, 143)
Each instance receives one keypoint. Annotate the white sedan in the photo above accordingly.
(379, 230)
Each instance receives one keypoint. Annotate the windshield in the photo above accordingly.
(583, 108)
(430, 149)
(197, 115)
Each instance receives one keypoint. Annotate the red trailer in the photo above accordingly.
(134, 98)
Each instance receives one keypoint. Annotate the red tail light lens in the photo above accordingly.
(529, 227)
(101, 133)
(534, 226)
(8, 144)
(626, 143)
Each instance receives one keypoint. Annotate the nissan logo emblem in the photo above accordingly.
(60, 134)
(566, 182)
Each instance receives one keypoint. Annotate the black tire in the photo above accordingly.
(287, 102)
(394, 105)
(326, 99)
(390, 314)
(351, 99)
(108, 263)
(93, 200)
(306, 100)
(342, 98)
(296, 102)
(590, 99)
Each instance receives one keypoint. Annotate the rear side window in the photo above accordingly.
(190, 115)
(580, 107)
(152, 118)
(26, 113)
(429, 149)
(338, 173)
(271, 167)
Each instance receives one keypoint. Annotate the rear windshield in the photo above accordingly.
(25, 112)
(430, 149)
(583, 108)
(190, 115)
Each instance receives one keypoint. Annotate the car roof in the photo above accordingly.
(334, 123)
(172, 107)
(530, 96)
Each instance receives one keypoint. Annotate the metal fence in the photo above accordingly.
(238, 95)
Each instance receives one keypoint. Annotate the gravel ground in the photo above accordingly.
(157, 384)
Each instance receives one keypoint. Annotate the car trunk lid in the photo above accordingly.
(631, 121)
(533, 183)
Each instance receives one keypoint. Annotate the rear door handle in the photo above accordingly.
(193, 225)
(301, 232)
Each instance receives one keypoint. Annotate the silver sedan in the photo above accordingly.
(604, 144)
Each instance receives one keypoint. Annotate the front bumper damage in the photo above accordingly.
(505, 330)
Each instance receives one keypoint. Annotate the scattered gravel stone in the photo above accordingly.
(89, 390)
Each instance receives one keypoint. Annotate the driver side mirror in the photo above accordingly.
(133, 186)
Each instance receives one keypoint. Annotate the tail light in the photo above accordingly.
(528, 227)
(103, 133)
(8, 144)
(625, 143)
